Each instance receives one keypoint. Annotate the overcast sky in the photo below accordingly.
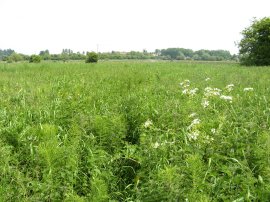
(28, 26)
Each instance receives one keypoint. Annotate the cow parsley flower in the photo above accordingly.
(205, 103)
(208, 139)
(248, 89)
(227, 98)
(216, 91)
(148, 124)
(229, 87)
(192, 115)
(193, 135)
(185, 83)
(194, 123)
(213, 130)
(155, 145)
(193, 91)
(209, 92)
(185, 91)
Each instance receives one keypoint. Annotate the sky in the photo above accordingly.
(30, 26)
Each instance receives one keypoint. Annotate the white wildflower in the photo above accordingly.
(193, 135)
(205, 103)
(207, 89)
(193, 91)
(194, 123)
(216, 91)
(248, 89)
(227, 98)
(155, 145)
(208, 92)
(185, 83)
(166, 142)
(208, 139)
(148, 124)
(229, 87)
(213, 130)
(207, 79)
(192, 115)
(185, 91)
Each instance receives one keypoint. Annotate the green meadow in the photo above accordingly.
(134, 131)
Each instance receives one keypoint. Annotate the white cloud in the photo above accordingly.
(32, 25)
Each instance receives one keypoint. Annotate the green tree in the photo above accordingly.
(15, 57)
(91, 57)
(5, 53)
(35, 59)
(254, 48)
(181, 56)
(173, 53)
(45, 55)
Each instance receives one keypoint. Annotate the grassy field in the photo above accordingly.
(134, 131)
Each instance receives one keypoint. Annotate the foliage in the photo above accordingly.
(164, 54)
(173, 53)
(91, 57)
(35, 59)
(5, 53)
(134, 131)
(207, 55)
(254, 48)
(45, 55)
(15, 57)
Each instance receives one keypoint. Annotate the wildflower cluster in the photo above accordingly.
(185, 83)
(194, 123)
(210, 92)
(148, 124)
(208, 139)
(216, 92)
(229, 87)
(248, 89)
(205, 102)
(186, 90)
(193, 132)
(227, 98)
(155, 145)
(192, 115)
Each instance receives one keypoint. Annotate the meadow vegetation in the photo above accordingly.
(134, 131)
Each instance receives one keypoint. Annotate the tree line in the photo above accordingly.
(159, 54)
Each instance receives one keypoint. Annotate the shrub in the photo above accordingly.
(35, 59)
(14, 57)
(91, 57)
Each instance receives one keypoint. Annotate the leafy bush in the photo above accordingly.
(14, 57)
(35, 59)
(254, 48)
(91, 57)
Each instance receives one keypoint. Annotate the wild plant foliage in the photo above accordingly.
(254, 48)
(133, 131)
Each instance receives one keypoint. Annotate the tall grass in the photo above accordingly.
(128, 131)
